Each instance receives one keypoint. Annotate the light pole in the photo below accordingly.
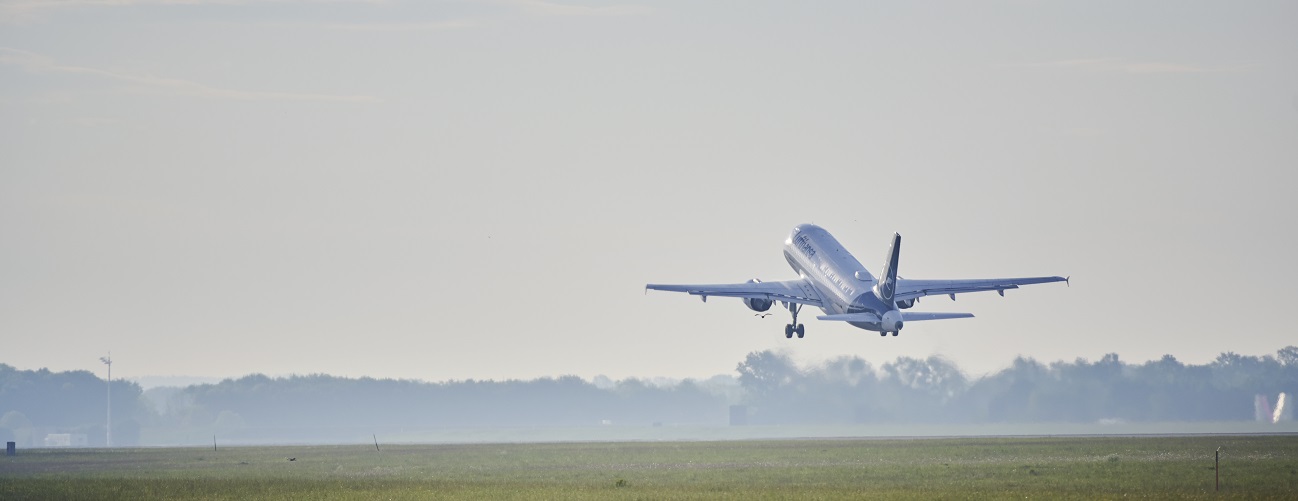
(109, 360)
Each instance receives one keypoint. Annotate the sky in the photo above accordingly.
(450, 190)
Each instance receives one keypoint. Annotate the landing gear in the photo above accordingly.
(884, 334)
(894, 333)
(795, 327)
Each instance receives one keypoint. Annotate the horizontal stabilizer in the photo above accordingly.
(906, 316)
(915, 316)
(851, 317)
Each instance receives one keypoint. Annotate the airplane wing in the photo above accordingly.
(851, 317)
(791, 291)
(911, 289)
(906, 316)
(915, 316)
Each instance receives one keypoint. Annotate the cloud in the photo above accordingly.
(36, 63)
(1119, 65)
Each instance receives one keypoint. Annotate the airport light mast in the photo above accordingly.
(109, 361)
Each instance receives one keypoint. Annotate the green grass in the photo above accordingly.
(1078, 467)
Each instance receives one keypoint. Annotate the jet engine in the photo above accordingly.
(906, 303)
(891, 321)
(757, 304)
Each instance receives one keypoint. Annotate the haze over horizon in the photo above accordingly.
(454, 190)
(148, 381)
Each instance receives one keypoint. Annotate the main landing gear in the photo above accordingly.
(795, 327)
(894, 333)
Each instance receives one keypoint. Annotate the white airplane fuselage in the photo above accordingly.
(831, 279)
(844, 284)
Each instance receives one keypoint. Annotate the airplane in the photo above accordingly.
(831, 279)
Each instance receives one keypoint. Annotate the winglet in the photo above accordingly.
(1067, 283)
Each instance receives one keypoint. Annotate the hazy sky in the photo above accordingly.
(480, 189)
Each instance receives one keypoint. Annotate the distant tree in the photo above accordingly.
(848, 390)
(763, 374)
(776, 390)
(19, 427)
(918, 390)
(935, 376)
(1232, 371)
(1288, 356)
(1009, 395)
(15, 420)
(227, 421)
(64, 399)
(126, 432)
(815, 394)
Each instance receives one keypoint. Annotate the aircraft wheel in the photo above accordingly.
(894, 333)
(788, 330)
(800, 330)
(883, 334)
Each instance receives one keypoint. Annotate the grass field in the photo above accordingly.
(1262, 467)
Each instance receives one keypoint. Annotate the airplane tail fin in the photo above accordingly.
(887, 284)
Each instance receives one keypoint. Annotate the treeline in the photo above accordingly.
(934, 390)
(768, 388)
(39, 402)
